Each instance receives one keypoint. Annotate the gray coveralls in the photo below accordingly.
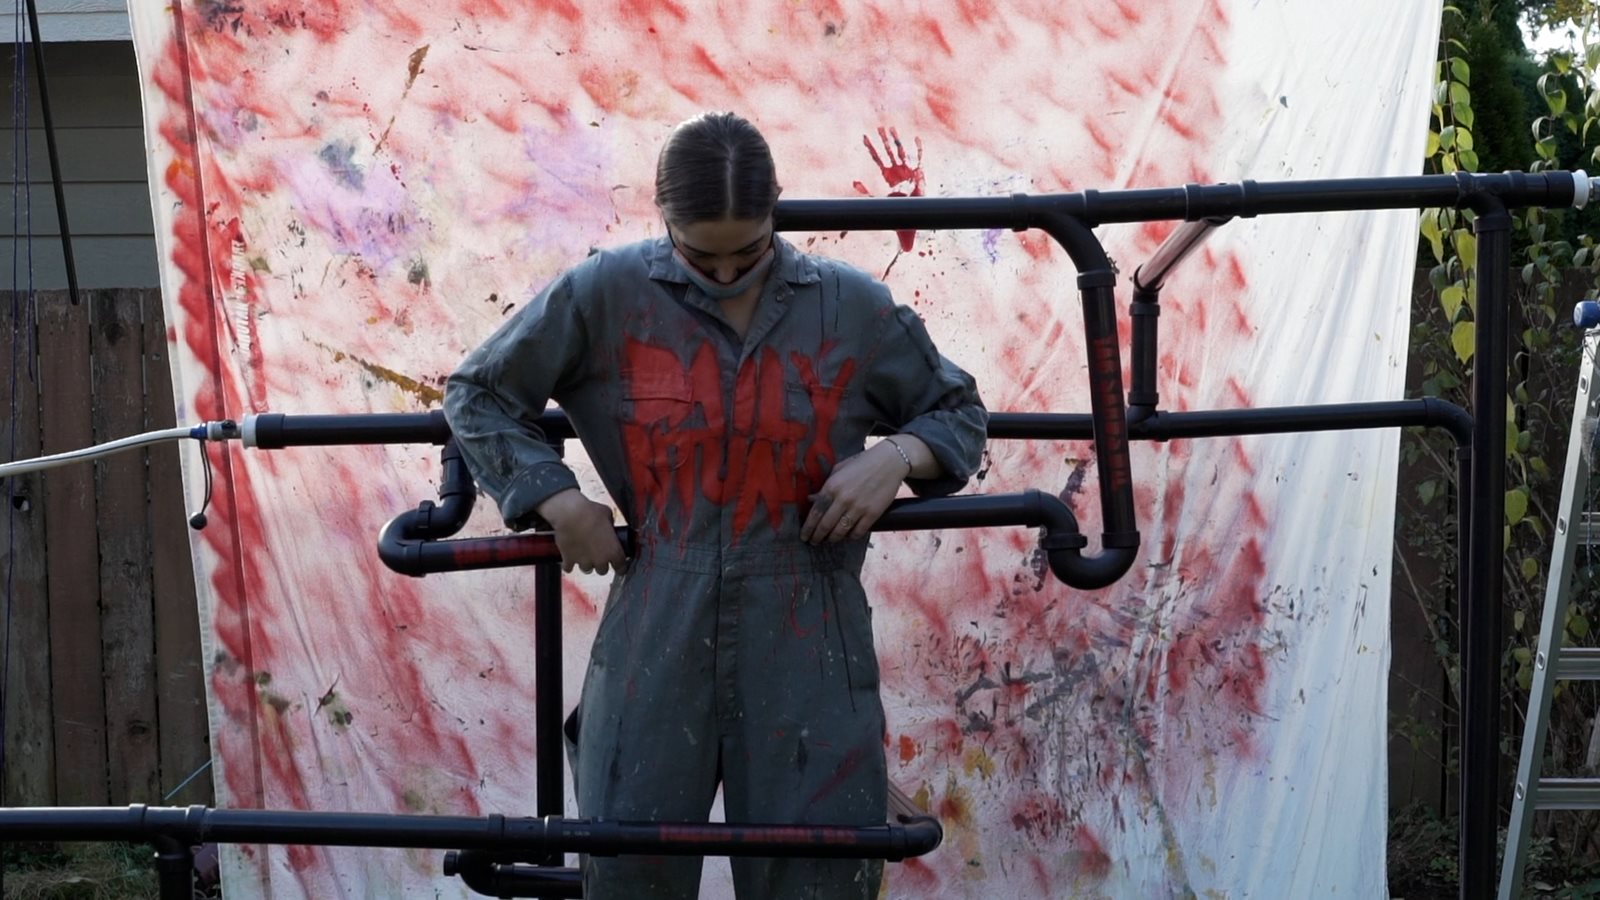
(730, 651)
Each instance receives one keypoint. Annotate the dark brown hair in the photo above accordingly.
(715, 166)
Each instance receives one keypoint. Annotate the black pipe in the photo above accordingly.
(428, 428)
(547, 692)
(411, 542)
(1028, 508)
(411, 554)
(1144, 312)
(402, 536)
(1189, 202)
(50, 151)
(490, 874)
(1322, 417)
(457, 495)
(174, 868)
(273, 431)
(1164, 426)
(1480, 633)
(547, 684)
(1463, 593)
(1119, 538)
(1060, 538)
(483, 873)
(198, 824)
(893, 843)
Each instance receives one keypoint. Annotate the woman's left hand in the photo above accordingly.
(854, 496)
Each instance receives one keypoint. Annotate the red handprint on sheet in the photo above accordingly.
(903, 178)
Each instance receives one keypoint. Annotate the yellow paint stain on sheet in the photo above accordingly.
(956, 812)
(427, 393)
(975, 760)
(275, 708)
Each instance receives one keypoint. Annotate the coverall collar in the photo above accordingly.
(788, 263)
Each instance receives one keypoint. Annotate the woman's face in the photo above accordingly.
(723, 249)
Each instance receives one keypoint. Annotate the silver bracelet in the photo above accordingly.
(902, 451)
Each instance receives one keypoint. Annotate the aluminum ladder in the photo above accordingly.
(1553, 662)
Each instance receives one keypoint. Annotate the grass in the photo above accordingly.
(91, 871)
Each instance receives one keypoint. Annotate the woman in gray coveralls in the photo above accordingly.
(723, 382)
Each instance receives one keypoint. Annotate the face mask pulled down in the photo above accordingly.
(716, 290)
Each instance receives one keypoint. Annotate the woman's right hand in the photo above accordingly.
(584, 533)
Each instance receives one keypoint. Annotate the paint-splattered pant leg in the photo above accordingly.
(647, 740)
(797, 695)
(764, 654)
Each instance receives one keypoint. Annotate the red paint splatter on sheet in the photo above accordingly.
(1003, 659)
(268, 737)
(1092, 859)
(1071, 691)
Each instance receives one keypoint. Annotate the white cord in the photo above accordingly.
(87, 453)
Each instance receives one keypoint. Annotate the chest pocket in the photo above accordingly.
(662, 419)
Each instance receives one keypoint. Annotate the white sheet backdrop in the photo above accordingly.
(351, 194)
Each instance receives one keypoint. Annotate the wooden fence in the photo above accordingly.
(104, 691)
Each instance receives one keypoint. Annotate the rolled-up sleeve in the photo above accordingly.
(493, 401)
(919, 392)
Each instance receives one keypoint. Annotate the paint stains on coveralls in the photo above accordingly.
(730, 652)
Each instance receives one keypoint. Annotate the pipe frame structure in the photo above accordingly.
(1070, 218)
(490, 868)
(491, 846)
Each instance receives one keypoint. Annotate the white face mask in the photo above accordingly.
(716, 290)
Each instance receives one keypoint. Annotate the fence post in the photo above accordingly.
(29, 736)
(73, 562)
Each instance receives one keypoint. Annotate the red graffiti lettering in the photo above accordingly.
(825, 400)
(678, 431)
(767, 472)
(663, 443)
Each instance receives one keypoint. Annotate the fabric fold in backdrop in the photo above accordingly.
(351, 195)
